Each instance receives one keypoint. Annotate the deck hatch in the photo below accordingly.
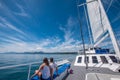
(87, 59)
(94, 59)
(113, 58)
(103, 59)
(79, 59)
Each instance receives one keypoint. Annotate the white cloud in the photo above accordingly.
(2, 25)
(44, 45)
(14, 28)
(70, 44)
(9, 14)
(68, 28)
(50, 44)
(22, 11)
(5, 23)
(17, 45)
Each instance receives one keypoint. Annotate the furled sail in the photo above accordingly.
(97, 19)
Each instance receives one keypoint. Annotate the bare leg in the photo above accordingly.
(38, 73)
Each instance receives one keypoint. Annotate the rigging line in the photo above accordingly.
(114, 6)
(88, 26)
(109, 6)
(81, 33)
(112, 36)
(101, 18)
(106, 47)
(117, 38)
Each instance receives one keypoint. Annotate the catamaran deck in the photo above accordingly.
(79, 73)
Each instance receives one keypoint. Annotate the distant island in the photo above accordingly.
(50, 52)
(39, 52)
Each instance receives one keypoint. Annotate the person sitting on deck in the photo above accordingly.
(53, 66)
(44, 70)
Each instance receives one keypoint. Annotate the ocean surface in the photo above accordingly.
(21, 72)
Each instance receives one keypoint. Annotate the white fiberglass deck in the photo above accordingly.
(80, 72)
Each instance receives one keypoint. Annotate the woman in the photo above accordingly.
(44, 70)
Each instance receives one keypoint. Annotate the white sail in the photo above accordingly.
(100, 24)
(97, 18)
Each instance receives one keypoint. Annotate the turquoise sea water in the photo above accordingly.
(21, 73)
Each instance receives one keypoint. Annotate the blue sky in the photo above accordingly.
(40, 25)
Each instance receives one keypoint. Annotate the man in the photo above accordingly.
(53, 66)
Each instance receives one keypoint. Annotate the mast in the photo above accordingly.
(82, 36)
(112, 36)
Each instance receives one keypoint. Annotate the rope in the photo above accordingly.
(81, 30)
(109, 6)
(102, 18)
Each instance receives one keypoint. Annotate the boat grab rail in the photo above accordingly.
(19, 65)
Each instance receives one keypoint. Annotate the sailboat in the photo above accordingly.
(96, 63)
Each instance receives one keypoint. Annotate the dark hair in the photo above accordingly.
(45, 60)
(51, 59)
